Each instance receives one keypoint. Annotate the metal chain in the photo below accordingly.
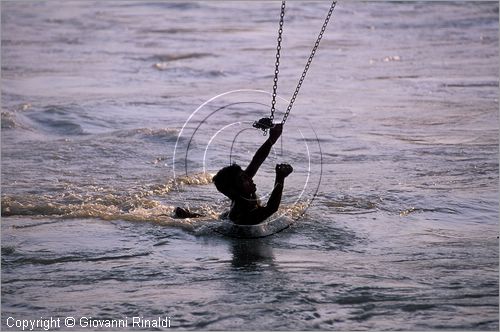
(276, 70)
(313, 52)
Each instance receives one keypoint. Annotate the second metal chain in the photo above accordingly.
(302, 77)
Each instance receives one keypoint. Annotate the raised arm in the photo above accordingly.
(263, 151)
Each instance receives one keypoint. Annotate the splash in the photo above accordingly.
(196, 179)
(294, 211)
(346, 204)
(142, 204)
(146, 203)
(13, 120)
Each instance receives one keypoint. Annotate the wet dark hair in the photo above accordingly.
(226, 179)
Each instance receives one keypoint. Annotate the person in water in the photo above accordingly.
(237, 185)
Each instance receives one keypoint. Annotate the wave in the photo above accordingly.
(69, 258)
(175, 57)
(59, 120)
(163, 134)
(9, 120)
(163, 5)
(169, 31)
(146, 211)
(413, 209)
(187, 71)
(72, 120)
(345, 204)
(143, 205)
(108, 207)
(103, 202)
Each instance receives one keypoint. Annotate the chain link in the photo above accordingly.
(303, 76)
(277, 64)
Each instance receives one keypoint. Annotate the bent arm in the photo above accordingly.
(275, 199)
(262, 213)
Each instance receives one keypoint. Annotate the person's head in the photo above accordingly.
(233, 182)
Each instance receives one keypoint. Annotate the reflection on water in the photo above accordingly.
(251, 253)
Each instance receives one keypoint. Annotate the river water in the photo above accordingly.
(115, 112)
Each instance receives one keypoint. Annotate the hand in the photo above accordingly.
(283, 170)
(275, 132)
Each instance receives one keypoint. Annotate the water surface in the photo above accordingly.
(393, 138)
